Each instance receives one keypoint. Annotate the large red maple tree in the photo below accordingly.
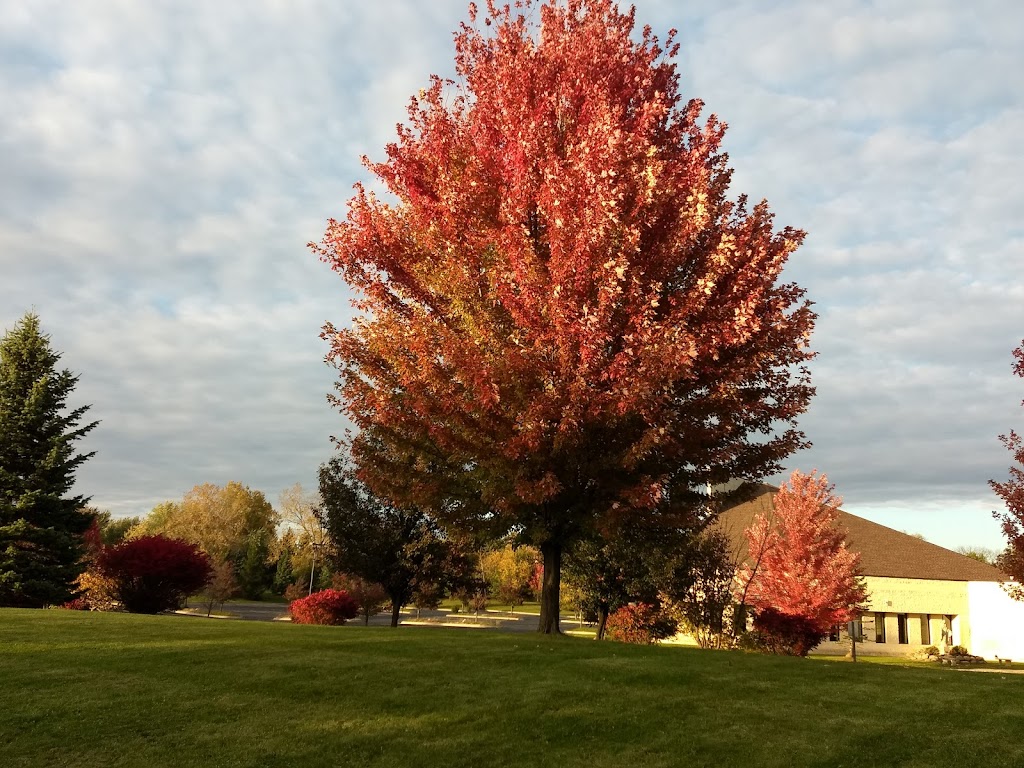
(562, 316)
(1012, 493)
(803, 567)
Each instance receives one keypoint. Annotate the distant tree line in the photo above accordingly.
(637, 580)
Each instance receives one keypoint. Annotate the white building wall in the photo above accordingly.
(996, 622)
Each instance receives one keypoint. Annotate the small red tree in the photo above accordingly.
(806, 571)
(220, 587)
(370, 597)
(641, 624)
(328, 606)
(154, 573)
(565, 317)
(1012, 493)
(785, 633)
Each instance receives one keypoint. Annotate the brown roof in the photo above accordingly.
(883, 551)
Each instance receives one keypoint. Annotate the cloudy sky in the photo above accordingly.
(163, 164)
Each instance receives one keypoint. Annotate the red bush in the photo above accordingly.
(639, 623)
(784, 633)
(154, 573)
(328, 606)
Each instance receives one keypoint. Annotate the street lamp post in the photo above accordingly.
(312, 568)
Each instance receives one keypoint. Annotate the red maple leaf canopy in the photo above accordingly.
(799, 563)
(1011, 491)
(562, 318)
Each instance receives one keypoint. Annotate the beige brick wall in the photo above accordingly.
(999, 619)
(923, 600)
(914, 629)
(892, 629)
(888, 595)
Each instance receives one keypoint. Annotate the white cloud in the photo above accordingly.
(163, 166)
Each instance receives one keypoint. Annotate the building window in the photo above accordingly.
(901, 623)
(879, 627)
(834, 633)
(926, 629)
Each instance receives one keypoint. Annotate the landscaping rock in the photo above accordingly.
(956, 660)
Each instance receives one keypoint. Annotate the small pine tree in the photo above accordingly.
(41, 524)
(284, 573)
(254, 574)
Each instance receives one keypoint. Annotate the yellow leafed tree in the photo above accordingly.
(217, 519)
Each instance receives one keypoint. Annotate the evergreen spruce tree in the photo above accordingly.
(284, 575)
(41, 524)
(254, 574)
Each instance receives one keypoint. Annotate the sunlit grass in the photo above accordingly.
(91, 690)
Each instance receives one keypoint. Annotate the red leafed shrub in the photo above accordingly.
(154, 573)
(639, 623)
(328, 606)
(785, 633)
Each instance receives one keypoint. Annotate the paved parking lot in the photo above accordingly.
(496, 620)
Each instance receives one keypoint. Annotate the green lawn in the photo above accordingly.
(86, 690)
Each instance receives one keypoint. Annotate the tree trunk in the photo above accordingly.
(739, 619)
(552, 554)
(396, 609)
(602, 621)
